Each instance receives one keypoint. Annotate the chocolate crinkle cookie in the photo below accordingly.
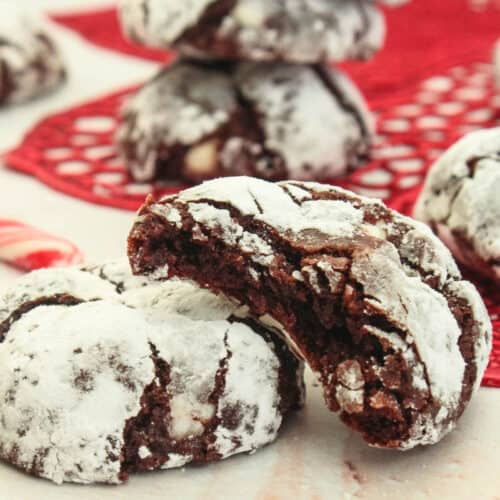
(30, 63)
(304, 31)
(103, 375)
(371, 299)
(460, 201)
(200, 121)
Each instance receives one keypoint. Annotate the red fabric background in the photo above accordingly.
(430, 85)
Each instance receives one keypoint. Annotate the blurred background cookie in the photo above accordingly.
(305, 31)
(460, 201)
(274, 121)
(30, 63)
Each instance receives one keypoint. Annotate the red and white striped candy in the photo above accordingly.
(28, 248)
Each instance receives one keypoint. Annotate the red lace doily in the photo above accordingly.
(432, 84)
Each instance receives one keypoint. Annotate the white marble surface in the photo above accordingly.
(316, 457)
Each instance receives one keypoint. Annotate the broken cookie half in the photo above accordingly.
(371, 299)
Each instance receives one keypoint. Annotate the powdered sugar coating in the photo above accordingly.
(460, 201)
(275, 205)
(62, 362)
(393, 3)
(272, 121)
(407, 277)
(251, 398)
(160, 22)
(182, 105)
(305, 31)
(162, 299)
(47, 283)
(30, 64)
(56, 411)
(431, 331)
(483, 345)
(317, 135)
(180, 297)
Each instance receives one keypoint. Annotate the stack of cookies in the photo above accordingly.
(251, 93)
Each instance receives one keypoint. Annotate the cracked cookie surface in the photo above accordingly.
(371, 299)
(298, 31)
(460, 201)
(201, 121)
(104, 376)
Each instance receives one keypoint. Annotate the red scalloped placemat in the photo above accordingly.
(423, 104)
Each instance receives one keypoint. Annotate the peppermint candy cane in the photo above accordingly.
(28, 248)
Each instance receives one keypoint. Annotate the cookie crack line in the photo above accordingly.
(220, 383)
(213, 16)
(254, 119)
(58, 299)
(119, 285)
(472, 164)
(293, 198)
(155, 398)
(257, 203)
